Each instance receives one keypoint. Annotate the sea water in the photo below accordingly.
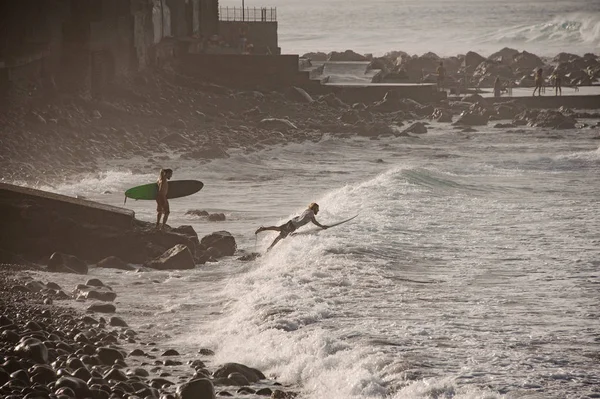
(472, 270)
(446, 27)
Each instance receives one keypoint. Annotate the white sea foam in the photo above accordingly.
(463, 276)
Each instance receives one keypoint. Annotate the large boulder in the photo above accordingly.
(487, 71)
(201, 388)
(177, 258)
(64, 263)
(32, 348)
(476, 115)
(78, 386)
(415, 128)
(113, 262)
(223, 241)
(471, 61)
(527, 61)
(95, 293)
(545, 118)
(252, 375)
(504, 56)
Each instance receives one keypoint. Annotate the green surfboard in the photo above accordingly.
(177, 189)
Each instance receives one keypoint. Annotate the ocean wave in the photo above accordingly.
(566, 29)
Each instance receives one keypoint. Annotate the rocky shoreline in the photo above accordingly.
(162, 116)
(48, 350)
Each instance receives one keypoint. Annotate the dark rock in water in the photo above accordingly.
(216, 217)
(53, 286)
(94, 282)
(504, 125)
(251, 374)
(35, 286)
(471, 118)
(197, 212)
(197, 389)
(264, 392)
(108, 356)
(222, 240)
(79, 387)
(177, 258)
(64, 263)
(416, 128)
(33, 349)
(171, 352)
(112, 262)
(137, 352)
(350, 117)
(545, 118)
(441, 115)
(249, 257)
(206, 352)
(507, 110)
(95, 293)
(117, 322)
(238, 378)
(102, 308)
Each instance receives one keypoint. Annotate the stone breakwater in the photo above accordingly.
(474, 70)
(50, 351)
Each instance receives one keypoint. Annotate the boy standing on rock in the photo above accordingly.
(162, 203)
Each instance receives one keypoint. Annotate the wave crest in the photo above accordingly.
(563, 29)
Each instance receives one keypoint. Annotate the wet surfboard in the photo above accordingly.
(177, 189)
(318, 229)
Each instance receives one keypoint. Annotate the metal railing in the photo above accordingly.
(248, 14)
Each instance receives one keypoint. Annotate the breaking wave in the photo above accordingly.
(574, 28)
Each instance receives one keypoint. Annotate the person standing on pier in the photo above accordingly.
(539, 82)
(441, 76)
(557, 84)
(497, 87)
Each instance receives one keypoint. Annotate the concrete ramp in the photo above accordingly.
(81, 211)
(340, 72)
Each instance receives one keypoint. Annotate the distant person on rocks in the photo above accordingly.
(441, 76)
(497, 87)
(539, 82)
(557, 84)
(162, 203)
(292, 225)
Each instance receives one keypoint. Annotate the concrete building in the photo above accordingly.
(81, 45)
